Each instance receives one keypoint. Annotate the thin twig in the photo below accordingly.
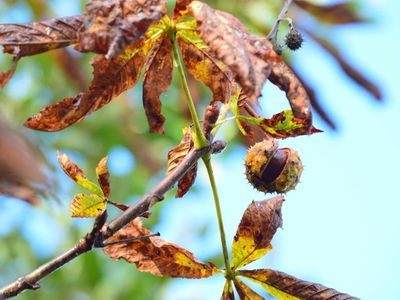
(97, 236)
(273, 34)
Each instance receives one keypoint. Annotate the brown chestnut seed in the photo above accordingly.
(270, 169)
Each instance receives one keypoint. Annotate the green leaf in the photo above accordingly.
(87, 205)
(89, 185)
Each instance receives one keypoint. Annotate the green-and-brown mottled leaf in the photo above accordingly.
(253, 237)
(282, 125)
(228, 294)
(111, 78)
(156, 80)
(87, 205)
(112, 25)
(245, 292)
(337, 13)
(103, 176)
(175, 157)
(155, 255)
(284, 286)
(207, 70)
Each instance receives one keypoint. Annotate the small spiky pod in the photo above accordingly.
(270, 169)
(293, 39)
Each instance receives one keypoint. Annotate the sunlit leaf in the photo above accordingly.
(155, 255)
(284, 286)
(253, 237)
(69, 167)
(156, 80)
(112, 25)
(227, 294)
(181, 8)
(103, 176)
(111, 78)
(207, 70)
(245, 292)
(87, 205)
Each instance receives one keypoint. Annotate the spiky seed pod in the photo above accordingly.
(270, 169)
(294, 39)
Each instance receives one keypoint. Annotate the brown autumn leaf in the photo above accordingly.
(33, 38)
(245, 292)
(336, 13)
(155, 255)
(230, 42)
(207, 70)
(112, 25)
(103, 176)
(181, 8)
(156, 80)
(284, 286)
(256, 230)
(69, 167)
(346, 66)
(251, 59)
(111, 78)
(175, 157)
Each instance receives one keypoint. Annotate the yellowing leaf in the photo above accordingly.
(87, 205)
(155, 255)
(228, 291)
(286, 287)
(69, 167)
(253, 238)
(245, 292)
(89, 185)
(103, 176)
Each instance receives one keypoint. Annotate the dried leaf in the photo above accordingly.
(186, 182)
(87, 205)
(103, 176)
(155, 255)
(156, 80)
(207, 70)
(228, 291)
(230, 41)
(111, 78)
(256, 230)
(347, 68)
(336, 13)
(37, 37)
(175, 157)
(112, 25)
(284, 286)
(245, 292)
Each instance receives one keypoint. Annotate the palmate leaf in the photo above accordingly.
(111, 78)
(103, 176)
(227, 293)
(284, 286)
(253, 237)
(175, 157)
(156, 80)
(155, 255)
(112, 25)
(37, 37)
(87, 205)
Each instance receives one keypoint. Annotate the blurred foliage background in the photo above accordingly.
(137, 158)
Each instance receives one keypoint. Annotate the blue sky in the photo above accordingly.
(341, 225)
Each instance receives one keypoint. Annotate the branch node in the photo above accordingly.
(218, 146)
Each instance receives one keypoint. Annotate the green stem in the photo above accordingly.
(200, 140)
(207, 162)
